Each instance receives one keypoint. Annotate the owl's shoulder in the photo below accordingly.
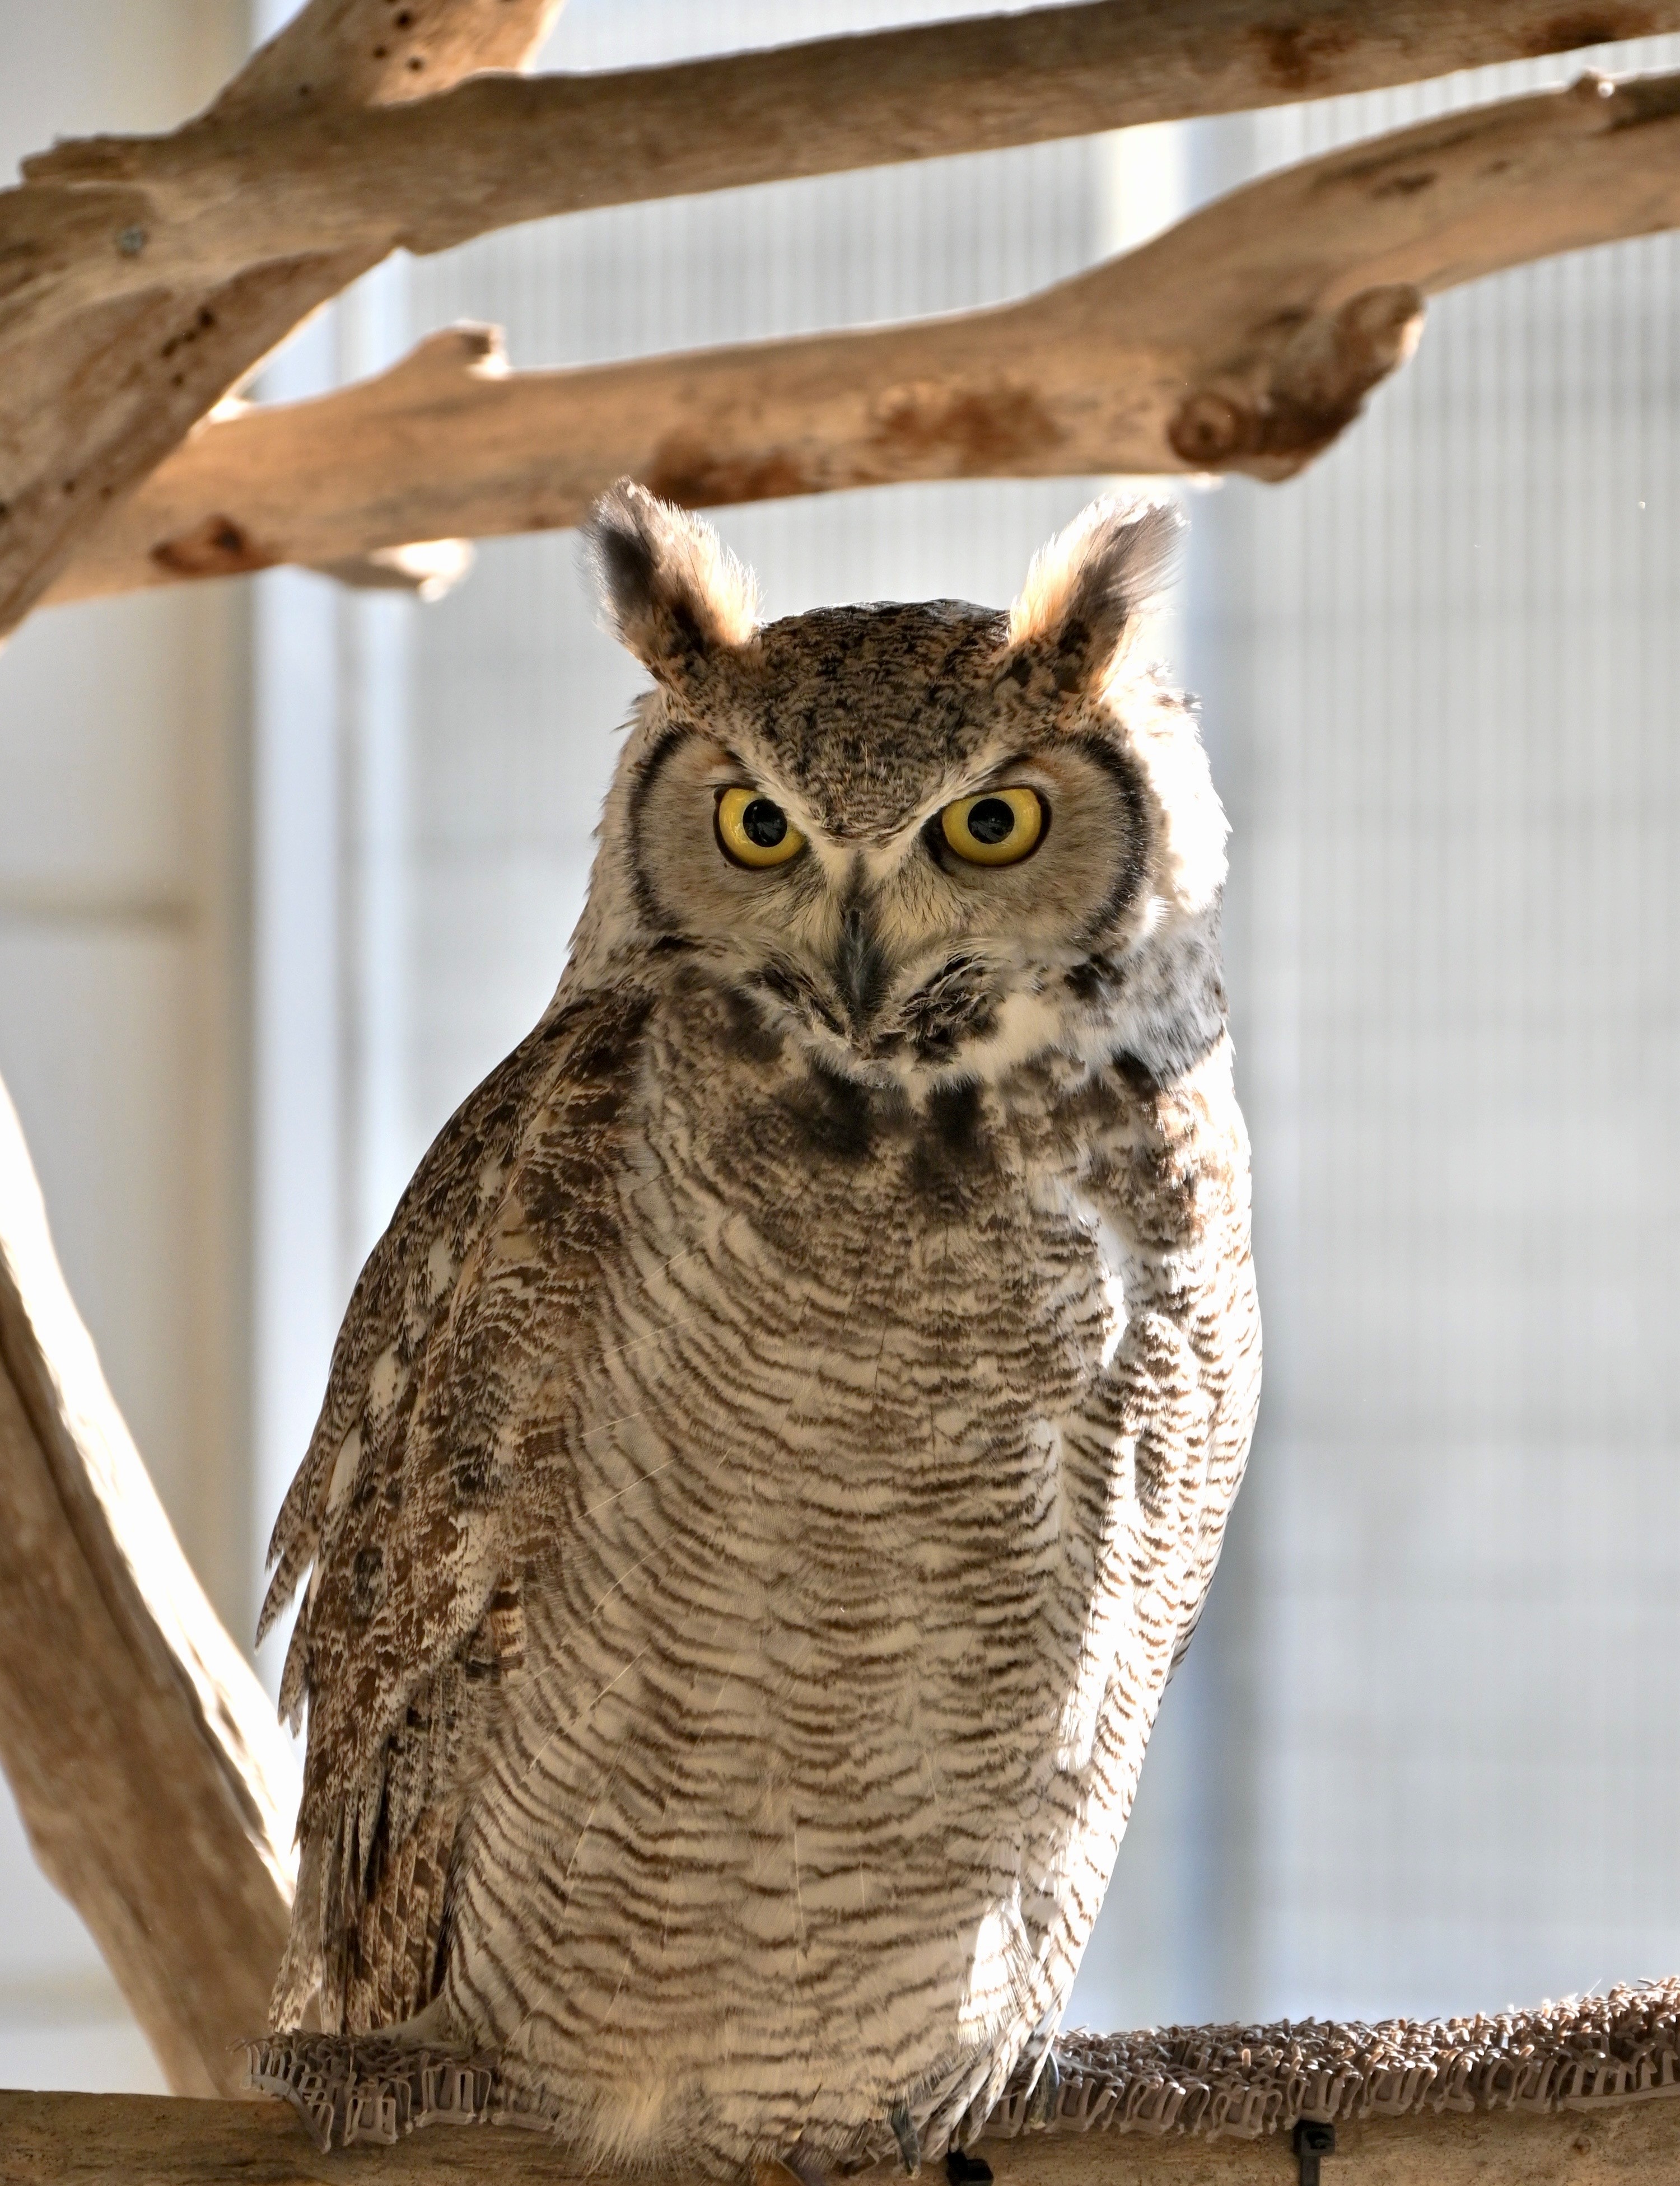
(403, 1449)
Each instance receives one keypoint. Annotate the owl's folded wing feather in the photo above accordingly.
(416, 1503)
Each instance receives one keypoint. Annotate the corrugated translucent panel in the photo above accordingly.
(1444, 664)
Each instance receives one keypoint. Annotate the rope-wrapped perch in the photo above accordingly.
(1246, 2081)
(1243, 2081)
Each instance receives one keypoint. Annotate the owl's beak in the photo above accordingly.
(861, 970)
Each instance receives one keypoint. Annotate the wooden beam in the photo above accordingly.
(145, 276)
(78, 2140)
(156, 1787)
(1245, 338)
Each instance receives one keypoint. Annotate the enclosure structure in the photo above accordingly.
(1246, 340)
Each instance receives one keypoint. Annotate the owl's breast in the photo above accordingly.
(839, 1528)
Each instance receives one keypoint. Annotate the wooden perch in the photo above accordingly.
(1244, 338)
(156, 1787)
(75, 2140)
(144, 276)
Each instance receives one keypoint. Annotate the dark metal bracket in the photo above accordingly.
(1312, 2140)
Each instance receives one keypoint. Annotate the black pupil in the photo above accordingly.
(763, 823)
(991, 821)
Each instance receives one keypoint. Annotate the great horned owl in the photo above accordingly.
(777, 1452)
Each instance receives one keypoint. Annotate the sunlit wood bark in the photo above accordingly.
(122, 321)
(1245, 338)
(142, 277)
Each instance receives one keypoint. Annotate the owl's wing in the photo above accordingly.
(1184, 1386)
(426, 1473)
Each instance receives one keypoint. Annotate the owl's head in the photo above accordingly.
(920, 841)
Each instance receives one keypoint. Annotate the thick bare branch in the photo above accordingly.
(156, 1784)
(81, 2140)
(348, 54)
(147, 275)
(112, 343)
(1244, 338)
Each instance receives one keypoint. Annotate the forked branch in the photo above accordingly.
(121, 323)
(1244, 338)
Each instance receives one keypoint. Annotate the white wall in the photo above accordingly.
(122, 1010)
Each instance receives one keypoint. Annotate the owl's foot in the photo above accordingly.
(1046, 2091)
(797, 2168)
(962, 2169)
(351, 2088)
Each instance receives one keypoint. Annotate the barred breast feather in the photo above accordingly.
(806, 1771)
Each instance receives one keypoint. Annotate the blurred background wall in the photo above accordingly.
(283, 871)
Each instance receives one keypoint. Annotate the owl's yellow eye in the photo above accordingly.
(754, 831)
(999, 827)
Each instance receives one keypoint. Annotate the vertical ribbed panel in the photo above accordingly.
(1447, 661)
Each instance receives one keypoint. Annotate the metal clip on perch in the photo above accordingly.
(1313, 2140)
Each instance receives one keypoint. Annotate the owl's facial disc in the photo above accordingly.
(944, 936)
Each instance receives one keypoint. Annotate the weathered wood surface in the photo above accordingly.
(123, 318)
(1244, 338)
(144, 276)
(156, 1787)
(76, 2140)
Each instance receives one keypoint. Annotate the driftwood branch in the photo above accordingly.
(142, 277)
(1244, 338)
(121, 324)
(156, 1787)
(346, 54)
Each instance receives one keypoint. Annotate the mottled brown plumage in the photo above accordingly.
(781, 1444)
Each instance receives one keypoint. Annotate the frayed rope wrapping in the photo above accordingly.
(1247, 2081)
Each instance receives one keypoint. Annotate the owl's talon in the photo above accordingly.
(904, 2132)
(1041, 2103)
(796, 2168)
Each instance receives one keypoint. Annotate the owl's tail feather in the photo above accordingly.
(349, 2088)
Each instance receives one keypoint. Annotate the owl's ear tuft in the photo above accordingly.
(1089, 591)
(670, 589)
